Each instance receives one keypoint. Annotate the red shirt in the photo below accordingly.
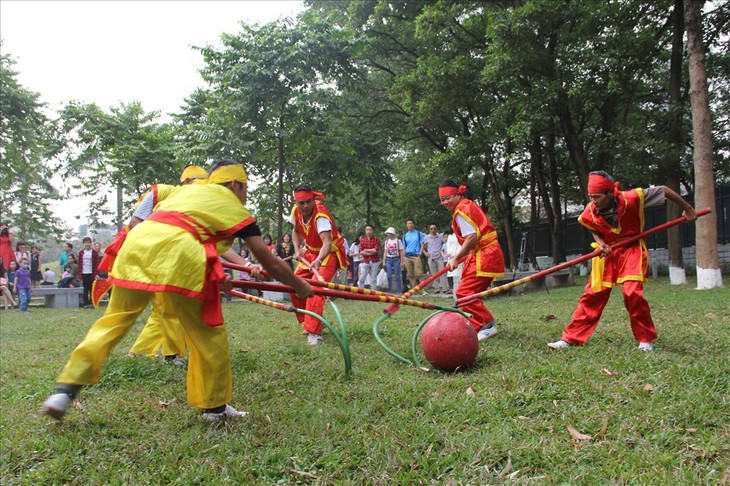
(370, 244)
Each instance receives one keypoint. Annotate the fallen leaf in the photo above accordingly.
(577, 435)
(548, 317)
(648, 387)
(522, 417)
(691, 430)
(205, 451)
(711, 315)
(506, 469)
(470, 391)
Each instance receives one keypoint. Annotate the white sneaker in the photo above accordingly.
(56, 405)
(314, 339)
(486, 332)
(229, 412)
(559, 344)
(646, 346)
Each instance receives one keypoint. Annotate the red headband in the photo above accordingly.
(451, 190)
(307, 195)
(598, 184)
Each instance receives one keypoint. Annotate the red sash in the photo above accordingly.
(214, 274)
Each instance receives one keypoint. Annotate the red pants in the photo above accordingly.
(591, 304)
(471, 284)
(313, 304)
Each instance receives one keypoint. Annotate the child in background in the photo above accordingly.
(12, 268)
(35, 266)
(22, 284)
(8, 300)
(67, 278)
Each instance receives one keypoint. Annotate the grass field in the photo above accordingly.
(645, 418)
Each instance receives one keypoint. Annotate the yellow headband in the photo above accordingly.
(193, 172)
(228, 173)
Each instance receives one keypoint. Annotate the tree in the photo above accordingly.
(124, 150)
(25, 185)
(708, 263)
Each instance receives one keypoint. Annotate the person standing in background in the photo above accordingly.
(87, 270)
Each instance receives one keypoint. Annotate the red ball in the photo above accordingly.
(449, 341)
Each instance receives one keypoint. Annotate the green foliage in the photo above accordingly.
(25, 186)
(652, 418)
(125, 149)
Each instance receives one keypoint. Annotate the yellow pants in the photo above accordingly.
(162, 329)
(209, 380)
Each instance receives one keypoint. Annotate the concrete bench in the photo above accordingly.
(59, 298)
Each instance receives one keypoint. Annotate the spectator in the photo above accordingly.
(452, 246)
(433, 244)
(73, 264)
(49, 277)
(67, 252)
(355, 256)
(67, 278)
(87, 270)
(413, 242)
(97, 247)
(10, 275)
(22, 284)
(6, 245)
(7, 295)
(394, 261)
(285, 250)
(35, 266)
(269, 244)
(21, 252)
(369, 257)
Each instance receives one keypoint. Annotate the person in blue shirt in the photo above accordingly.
(413, 242)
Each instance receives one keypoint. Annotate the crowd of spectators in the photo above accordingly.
(20, 269)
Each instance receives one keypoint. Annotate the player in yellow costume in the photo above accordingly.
(162, 329)
(176, 252)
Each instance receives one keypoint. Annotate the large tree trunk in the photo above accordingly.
(672, 166)
(708, 263)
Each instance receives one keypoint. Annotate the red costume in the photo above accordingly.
(6, 250)
(335, 260)
(485, 261)
(626, 265)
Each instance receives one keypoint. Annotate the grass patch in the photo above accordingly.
(655, 418)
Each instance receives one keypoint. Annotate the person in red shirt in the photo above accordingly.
(612, 215)
(369, 257)
(484, 259)
(317, 242)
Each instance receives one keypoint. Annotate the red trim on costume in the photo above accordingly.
(214, 274)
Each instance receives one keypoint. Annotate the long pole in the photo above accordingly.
(315, 283)
(489, 292)
(385, 298)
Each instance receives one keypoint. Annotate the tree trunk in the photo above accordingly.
(708, 264)
(672, 167)
(120, 207)
(557, 228)
(280, 189)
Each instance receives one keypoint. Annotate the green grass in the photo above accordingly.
(504, 420)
